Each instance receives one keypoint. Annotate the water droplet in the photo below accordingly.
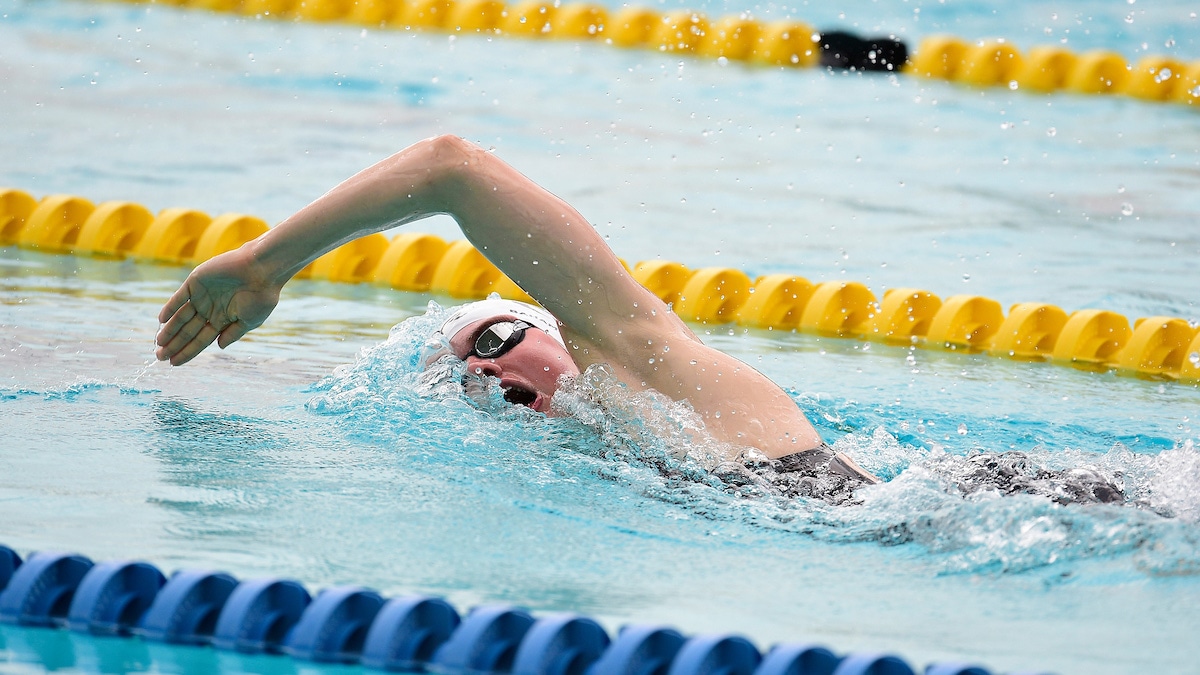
(962, 430)
(1051, 132)
(1127, 209)
(966, 278)
(1194, 357)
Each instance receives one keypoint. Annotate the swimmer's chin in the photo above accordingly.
(545, 403)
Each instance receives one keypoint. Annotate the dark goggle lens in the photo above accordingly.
(498, 338)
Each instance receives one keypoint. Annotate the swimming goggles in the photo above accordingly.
(497, 339)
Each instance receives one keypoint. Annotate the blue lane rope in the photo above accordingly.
(356, 625)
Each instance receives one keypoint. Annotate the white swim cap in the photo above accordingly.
(485, 309)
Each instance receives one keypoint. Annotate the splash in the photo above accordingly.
(982, 510)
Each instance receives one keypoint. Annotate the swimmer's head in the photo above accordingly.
(530, 359)
(470, 313)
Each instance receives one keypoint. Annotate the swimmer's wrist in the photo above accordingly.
(272, 262)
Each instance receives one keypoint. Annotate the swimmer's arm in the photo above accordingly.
(534, 237)
(556, 256)
(538, 240)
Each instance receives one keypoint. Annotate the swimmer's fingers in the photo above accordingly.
(179, 331)
(175, 303)
(222, 297)
(182, 318)
(232, 333)
(188, 342)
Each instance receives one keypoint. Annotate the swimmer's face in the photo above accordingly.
(528, 372)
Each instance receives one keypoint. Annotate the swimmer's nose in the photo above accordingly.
(483, 367)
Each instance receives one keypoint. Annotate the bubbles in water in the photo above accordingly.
(988, 511)
(1126, 209)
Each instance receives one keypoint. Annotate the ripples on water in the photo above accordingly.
(990, 509)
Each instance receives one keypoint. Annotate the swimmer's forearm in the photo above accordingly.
(407, 186)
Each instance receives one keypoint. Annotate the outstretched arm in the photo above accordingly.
(538, 240)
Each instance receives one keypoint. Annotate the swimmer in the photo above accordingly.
(594, 311)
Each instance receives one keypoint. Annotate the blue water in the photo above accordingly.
(311, 450)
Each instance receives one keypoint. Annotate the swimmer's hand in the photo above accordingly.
(222, 299)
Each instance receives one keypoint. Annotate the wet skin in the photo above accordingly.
(529, 372)
(543, 244)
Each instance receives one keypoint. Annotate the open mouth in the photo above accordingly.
(519, 396)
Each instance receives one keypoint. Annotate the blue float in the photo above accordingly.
(716, 655)
(40, 591)
(9, 562)
(113, 596)
(352, 624)
(258, 614)
(956, 669)
(639, 650)
(873, 664)
(334, 627)
(407, 632)
(798, 659)
(185, 611)
(486, 642)
(562, 644)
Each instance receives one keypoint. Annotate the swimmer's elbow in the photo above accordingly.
(428, 174)
(451, 147)
(440, 164)
(449, 156)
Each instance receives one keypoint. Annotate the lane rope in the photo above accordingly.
(357, 625)
(1158, 347)
(741, 38)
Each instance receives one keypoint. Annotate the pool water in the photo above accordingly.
(313, 450)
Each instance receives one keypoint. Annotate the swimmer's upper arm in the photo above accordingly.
(551, 251)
